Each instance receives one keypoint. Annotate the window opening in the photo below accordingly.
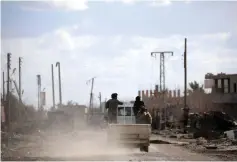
(226, 86)
(128, 111)
(235, 88)
(219, 83)
(121, 111)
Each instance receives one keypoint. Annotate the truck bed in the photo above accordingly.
(130, 133)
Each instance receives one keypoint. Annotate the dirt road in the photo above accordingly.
(90, 145)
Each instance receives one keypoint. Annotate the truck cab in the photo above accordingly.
(125, 114)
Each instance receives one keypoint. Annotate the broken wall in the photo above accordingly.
(197, 101)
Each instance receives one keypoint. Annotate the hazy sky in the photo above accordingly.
(112, 40)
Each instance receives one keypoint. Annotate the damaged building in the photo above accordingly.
(223, 98)
(223, 92)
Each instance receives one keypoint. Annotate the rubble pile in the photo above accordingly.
(210, 125)
(13, 143)
(211, 132)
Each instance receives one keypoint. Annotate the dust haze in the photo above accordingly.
(79, 143)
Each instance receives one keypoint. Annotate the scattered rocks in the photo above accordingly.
(234, 142)
(173, 136)
(211, 147)
(212, 144)
(201, 141)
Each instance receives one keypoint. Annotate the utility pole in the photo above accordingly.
(59, 80)
(11, 80)
(91, 95)
(162, 77)
(39, 89)
(185, 73)
(8, 91)
(3, 86)
(20, 92)
(53, 93)
(100, 101)
(16, 87)
(104, 109)
(186, 109)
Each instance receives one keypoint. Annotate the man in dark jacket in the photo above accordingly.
(112, 105)
(137, 105)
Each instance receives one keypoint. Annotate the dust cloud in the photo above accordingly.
(79, 143)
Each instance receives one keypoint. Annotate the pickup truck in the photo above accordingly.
(127, 132)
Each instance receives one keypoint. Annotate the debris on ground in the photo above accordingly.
(211, 132)
(201, 141)
(211, 147)
(231, 134)
(234, 142)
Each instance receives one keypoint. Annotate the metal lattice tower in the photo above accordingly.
(162, 72)
(162, 78)
(162, 67)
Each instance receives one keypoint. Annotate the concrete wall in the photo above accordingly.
(197, 101)
(233, 79)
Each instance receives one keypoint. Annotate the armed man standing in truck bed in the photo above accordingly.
(137, 105)
(112, 105)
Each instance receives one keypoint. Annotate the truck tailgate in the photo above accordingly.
(130, 133)
(131, 128)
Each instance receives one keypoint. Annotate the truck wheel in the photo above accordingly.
(146, 148)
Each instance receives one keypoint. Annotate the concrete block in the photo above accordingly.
(231, 134)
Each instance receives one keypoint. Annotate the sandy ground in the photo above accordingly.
(89, 145)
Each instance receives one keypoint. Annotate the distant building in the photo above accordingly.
(224, 91)
(69, 115)
(223, 83)
(224, 87)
